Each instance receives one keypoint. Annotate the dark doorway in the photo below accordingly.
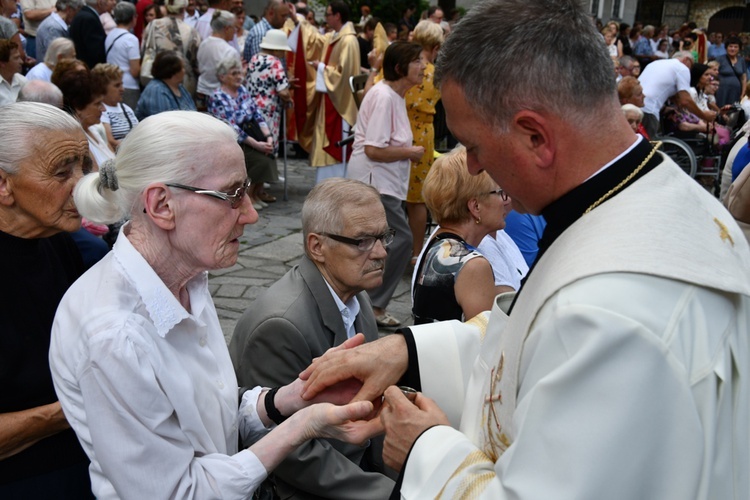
(729, 20)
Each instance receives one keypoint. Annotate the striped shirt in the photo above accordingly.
(118, 120)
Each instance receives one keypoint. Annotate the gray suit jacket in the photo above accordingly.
(277, 337)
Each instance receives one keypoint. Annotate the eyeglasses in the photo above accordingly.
(500, 192)
(234, 199)
(366, 243)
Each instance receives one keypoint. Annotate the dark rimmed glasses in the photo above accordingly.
(501, 193)
(366, 243)
(234, 199)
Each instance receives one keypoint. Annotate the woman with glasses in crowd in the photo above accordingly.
(452, 278)
(233, 104)
(138, 357)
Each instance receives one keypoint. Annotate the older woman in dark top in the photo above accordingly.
(453, 280)
(732, 73)
(45, 152)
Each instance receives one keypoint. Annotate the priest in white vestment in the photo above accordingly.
(622, 370)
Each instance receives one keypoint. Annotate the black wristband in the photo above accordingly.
(273, 413)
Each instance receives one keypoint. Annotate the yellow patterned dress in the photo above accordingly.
(420, 106)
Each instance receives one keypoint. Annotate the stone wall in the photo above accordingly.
(702, 10)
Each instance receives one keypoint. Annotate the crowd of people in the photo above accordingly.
(564, 315)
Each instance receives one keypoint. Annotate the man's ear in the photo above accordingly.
(536, 135)
(6, 189)
(315, 245)
(158, 204)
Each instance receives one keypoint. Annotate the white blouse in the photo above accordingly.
(149, 387)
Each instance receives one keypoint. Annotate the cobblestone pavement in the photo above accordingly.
(270, 247)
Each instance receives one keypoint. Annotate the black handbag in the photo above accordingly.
(252, 129)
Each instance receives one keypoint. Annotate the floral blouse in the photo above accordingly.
(235, 111)
(266, 77)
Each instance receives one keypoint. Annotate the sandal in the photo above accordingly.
(385, 320)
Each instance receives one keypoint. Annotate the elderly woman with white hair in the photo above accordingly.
(60, 49)
(215, 49)
(138, 357)
(233, 104)
(45, 153)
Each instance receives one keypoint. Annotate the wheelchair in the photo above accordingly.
(697, 153)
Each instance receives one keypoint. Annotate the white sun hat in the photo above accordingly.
(275, 40)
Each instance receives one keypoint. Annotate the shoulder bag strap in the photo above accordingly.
(113, 43)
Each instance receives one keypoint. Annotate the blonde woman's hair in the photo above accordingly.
(428, 34)
(449, 186)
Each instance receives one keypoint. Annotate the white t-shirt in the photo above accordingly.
(508, 264)
(210, 53)
(661, 80)
(39, 72)
(124, 50)
(29, 25)
(382, 122)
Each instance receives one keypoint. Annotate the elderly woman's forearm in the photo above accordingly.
(21, 429)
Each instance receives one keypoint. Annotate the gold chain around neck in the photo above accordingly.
(627, 179)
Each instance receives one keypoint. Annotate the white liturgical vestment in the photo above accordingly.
(622, 372)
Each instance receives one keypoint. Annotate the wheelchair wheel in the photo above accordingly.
(680, 153)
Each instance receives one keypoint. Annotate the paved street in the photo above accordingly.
(271, 247)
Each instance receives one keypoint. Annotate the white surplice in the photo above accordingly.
(622, 372)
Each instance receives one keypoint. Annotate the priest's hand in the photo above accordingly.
(404, 422)
(376, 365)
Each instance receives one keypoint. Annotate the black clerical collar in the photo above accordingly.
(563, 212)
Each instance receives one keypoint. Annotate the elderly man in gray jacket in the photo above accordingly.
(317, 305)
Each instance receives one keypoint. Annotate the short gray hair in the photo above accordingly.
(57, 47)
(61, 5)
(176, 6)
(541, 55)
(226, 65)
(222, 19)
(166, 147)
(26, 123)
(682, 54)
(124, 12)
(328, 202)
(627, 60)
(41, 91)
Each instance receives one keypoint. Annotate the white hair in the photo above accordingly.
(632, 108)
(24, 125)
(173, 146)
(41, 91)
(57, 47)
(61, 5)
(226, 65)
(682, 54)
(176, 6)
(222, 19)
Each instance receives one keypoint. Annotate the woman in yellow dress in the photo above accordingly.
(420, 106)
